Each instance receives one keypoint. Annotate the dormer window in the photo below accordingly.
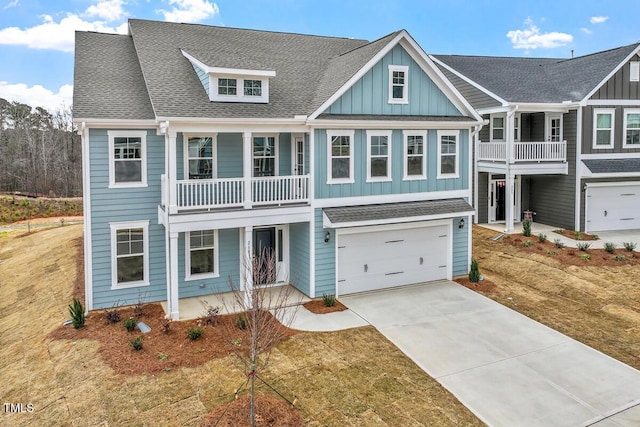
(227, 87)
(253, 88)
(398, 84)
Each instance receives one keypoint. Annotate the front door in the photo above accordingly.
(497, 199)
(298, 156)
(269, 251)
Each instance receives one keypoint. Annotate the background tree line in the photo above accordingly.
(40, 152)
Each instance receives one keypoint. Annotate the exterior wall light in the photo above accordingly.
(327, 237)
(461, 224)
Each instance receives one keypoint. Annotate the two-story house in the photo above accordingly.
(562, 140)
(349, 161)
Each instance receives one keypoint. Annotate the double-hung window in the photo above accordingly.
(398, 84)
(130, 254)
(200, 161)
(201, 254)
(227, 87)
(252, 87)
(415, 155)
(264, 155)
(340, 156)
(378, 155)
(498, 128)
(603, 123)
(631, 128)
(127, 161)
(448, 153)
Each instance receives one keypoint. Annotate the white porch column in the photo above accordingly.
(509, 196)
(174, 312)
(247, 168)
(246, 273)
(172, 172)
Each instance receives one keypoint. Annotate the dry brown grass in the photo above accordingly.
(346, 378)
(598, 305)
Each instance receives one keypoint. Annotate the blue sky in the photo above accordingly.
(36, 36)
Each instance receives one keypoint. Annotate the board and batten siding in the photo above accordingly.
(369, 95)
(228, 268)
(460, 242)
(125, 204)
(325, 258)
(397, 185)
(619, 86)
(618, 130)
(299, 257)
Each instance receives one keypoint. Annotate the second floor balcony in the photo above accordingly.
(531, 152)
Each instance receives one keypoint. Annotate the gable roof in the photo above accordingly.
(538, 80)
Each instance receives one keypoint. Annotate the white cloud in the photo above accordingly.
(9, 5)
(586, 30)
(37, 95)
(189, 10)
(532, 38)
(110, 10)
(598, 19)
(55, 35)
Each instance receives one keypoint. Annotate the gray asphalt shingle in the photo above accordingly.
(613, 165)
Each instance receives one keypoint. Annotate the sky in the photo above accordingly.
(37, 36)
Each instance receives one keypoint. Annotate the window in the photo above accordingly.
(200, 164)
(201, 254)
(634, 71)
(497, 128)
(340, 156)
(129, 254)
(554, 128)
(127, 165)
(631, 129)
(264, 155)
(253, 88)
(516, 128)
(398, 84)
(603, 121)
(227, 87)
(414, 152)
(378, 155)
(448, 154)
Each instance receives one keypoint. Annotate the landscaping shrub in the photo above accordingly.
(76, 310)
(474, 271)
(620, 258)
(578, 235)
(629, 246)
(194, 333)
(610, 247)
(136, 343)
(583, 246)
(112, 315)
(526, 228)
(585, 257)
(211, 315)
(130, 323)
(542, 237)
(558, 243)
(527, 243)
(329, 300)
(241, 321)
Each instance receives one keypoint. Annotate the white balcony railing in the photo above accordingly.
(524, 151)
(230, 192)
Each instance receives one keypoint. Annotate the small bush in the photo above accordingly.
(166, 325)
(526, 228)
(558, 243)
(136, 343)
(474, 271)
(552, 253)
(211, 315)
(629, 246)
(241, 322)
(163, 356)
(585, 257)
(583, 246)
(527, 243)
(595, 237)
(112, 315)
(578, 235)
(542, 237)
(329, 300)
(620, 258)
(76, 310)
(130, 323)
(194, 333)
(610, 247)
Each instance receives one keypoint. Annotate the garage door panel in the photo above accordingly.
(615, 207)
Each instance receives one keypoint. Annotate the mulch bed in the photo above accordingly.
(576, 235)
(270, 411)
(317, 306)
(482, 286)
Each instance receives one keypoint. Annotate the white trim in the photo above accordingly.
(611, 74)
(456, 173)
(222, 70)
(115, 226)
(612, 184)
(614, 102)
(326, 223)
(391, 124)
(312, 255)
(351, 135)
(634, 71)
(263, 98)
(388, 134)
(548, 117)
(405, 86)
(626, 112)
(276, 152)
(214, 153)
(502, 116)
(389, 198)
(579, 165)
(611, 156)
(86, 206)
(116, 123)
(187, 258)
(405, 156)
(603, 111)
(294, 153)
(112, 134)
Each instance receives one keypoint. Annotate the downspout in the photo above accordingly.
(473, 182)
(86, 206)
(164, 129)
(508, 179)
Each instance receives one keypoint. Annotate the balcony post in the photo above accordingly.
(173, 300)
(246, 267)
(247, 169)
(173, 171)
(509, 198)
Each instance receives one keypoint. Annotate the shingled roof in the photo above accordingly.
(545, 80)
(145, 75)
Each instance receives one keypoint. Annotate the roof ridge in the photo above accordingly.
(372, 42)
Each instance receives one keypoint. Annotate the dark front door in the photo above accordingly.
(500, 195)
(264, 256)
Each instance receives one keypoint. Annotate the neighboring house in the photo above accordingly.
(562, 140)
(348, 160)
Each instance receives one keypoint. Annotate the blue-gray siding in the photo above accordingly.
(325, 258)
(203, 77)
(460, 241)
(300, 256)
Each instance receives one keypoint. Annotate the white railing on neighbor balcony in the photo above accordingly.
(524, 151)
(230, 192)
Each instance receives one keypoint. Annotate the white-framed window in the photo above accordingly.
(398, 84)
(631, 128)
(127, 159)
(340, 156)
(634, 71)
(228, 87)
(603, 127)
(201, 254)
(252, 87)
(129, 254)
(448, 153)
(378, 155)
(200, 157)
(265, 159)
(516, 127)
(498, 127)
(415, 155)
(234, 88)
(554, 127)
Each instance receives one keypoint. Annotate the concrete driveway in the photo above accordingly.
(506, 368)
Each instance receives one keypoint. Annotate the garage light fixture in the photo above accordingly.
(461, 223)
(327, 237)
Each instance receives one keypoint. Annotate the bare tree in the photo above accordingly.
(265, 310)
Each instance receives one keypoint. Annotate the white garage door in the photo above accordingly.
(380, 259)
(613, 207)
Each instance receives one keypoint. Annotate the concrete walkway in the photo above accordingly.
(506, 368)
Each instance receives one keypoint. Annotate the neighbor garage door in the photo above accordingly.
(372, 259)
(613, 207)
